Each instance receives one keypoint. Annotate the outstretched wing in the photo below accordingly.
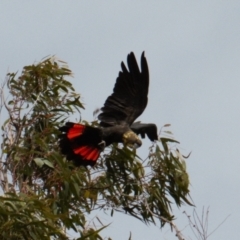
(129, 98)
(143, 129)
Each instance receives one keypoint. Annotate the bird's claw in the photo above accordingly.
(102, 144)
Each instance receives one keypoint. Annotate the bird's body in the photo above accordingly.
(114, 133)
(83, 144)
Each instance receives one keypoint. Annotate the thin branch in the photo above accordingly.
(174, 226)
(3, 170)
(219, 225)
(199, 226)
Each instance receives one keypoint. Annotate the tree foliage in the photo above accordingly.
(43, 195)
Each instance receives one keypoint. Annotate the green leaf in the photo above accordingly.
(49, 164)
(39, 162)
(164, 139)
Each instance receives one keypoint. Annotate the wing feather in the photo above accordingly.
(129, 97)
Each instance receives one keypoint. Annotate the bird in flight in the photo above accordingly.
(83, 144)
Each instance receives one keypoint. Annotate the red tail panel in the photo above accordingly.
(75, 131)
(94, 155)
(83, 150)
(87, 152)
(80, 143)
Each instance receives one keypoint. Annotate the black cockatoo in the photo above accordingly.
(83, 144)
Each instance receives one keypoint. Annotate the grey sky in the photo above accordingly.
(193, 52)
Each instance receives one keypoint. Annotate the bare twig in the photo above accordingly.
(199, 226)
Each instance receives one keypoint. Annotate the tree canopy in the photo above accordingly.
(44, 195)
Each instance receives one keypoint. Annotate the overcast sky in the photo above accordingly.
(193, 52)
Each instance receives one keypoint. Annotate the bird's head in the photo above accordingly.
(131, 140)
